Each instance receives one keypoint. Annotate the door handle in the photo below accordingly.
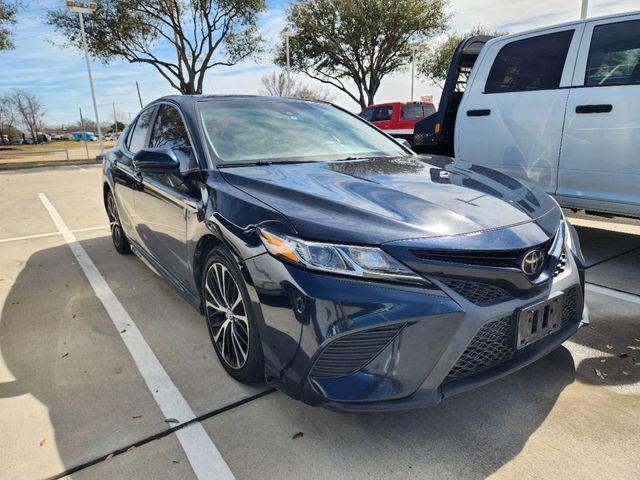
(603, 108)
(485, 112)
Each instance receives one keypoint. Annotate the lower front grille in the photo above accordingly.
(570, 306)
(493, 343)
(350, 353)
(478, 293)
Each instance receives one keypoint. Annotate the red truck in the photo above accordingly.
(398, 118)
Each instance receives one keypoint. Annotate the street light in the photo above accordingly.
(583, 10)
(287, 34)
(80, 10)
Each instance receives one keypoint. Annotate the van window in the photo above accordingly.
(412, 112)
(614, 55)
(139, 133)
(381, 114)
(531, 64)
(367, 114)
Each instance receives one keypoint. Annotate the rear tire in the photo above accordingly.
(120, 240)
(230, 318)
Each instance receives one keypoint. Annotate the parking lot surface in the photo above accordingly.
(96, 350)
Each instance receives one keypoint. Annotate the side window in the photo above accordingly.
(411, 112)
(170, 132)
(381, 114)
(428, 110)
(367, 114)
(136, 140)
(614, 55)
(531, 64)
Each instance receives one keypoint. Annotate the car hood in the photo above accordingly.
(378, 200)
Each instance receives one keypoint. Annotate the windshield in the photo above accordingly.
(258, 129)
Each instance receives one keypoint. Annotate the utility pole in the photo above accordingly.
(84, 133)
(139, 96)
(115, 120)
(583, 10)
(89, 10)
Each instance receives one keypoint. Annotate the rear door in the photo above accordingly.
(382, 116)
(600, 158)
(511, 115)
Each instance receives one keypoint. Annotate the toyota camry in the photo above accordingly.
(331, 261)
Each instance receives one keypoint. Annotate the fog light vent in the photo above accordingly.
(350, 353)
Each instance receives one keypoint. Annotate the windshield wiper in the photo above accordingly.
(259, 163)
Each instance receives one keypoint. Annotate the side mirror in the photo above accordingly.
(404, 142)
(158, 160)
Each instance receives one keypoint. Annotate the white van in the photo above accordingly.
(557, 106)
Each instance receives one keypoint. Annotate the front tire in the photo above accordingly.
(117, 233)
(230, 318)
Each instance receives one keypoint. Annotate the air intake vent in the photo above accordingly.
(350, 353)
(570, 306)
(479, 293)
(493, 343)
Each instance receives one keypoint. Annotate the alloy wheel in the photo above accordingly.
(114, 221)
(227, 316)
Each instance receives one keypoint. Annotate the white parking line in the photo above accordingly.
(627, 297)
(51, 234)
(205, 459)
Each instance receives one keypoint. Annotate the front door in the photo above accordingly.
(511, 115)
(164, 199)
(600, 159)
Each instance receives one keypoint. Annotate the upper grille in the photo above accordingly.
(495, 258)
(561, 265)
(478, 293)
(350, 353)
(493, 343)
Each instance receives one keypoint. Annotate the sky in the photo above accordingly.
(40, 63)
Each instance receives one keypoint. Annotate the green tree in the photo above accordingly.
(199, 34)
(433, 62)
(356, 43)
(7, 17)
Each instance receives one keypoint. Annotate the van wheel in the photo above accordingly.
(230, 319)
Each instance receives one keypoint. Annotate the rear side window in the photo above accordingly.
(531, 64)
(138, 136)
(412, 112)
(380, 114)
(171, 132)
(614, 55)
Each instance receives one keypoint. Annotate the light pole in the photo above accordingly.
(583, 10)
(80, 10)
(287, 34)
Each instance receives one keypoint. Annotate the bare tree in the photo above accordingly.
(7, 119)
(275, 84)
(200, 34)
(29, 109)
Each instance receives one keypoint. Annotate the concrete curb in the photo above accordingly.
(47, 163)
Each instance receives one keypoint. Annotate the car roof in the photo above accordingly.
(563, 24)
(190, 99)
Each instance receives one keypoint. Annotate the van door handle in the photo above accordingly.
(479, 113)
(604, 108)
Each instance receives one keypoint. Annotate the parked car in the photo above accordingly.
(81, 136)
(558, 107)
(397, 118)
(335, 263)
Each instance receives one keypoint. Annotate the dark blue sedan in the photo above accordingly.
(332, 261)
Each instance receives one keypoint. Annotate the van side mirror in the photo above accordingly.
(158, 160)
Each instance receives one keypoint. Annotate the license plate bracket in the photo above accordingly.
(539, 320)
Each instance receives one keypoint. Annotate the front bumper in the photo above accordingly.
(427, 332)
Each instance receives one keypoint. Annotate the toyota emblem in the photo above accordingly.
(532, 262)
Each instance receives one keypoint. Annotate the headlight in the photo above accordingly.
(364, 262)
